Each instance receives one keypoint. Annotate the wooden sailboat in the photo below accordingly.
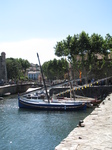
(48, 104)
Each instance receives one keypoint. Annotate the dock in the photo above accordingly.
(96, 134)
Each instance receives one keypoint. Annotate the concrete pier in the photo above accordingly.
(97, 132)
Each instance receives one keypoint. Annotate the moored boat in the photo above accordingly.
(43, 105)
(49, 105)
(88, 101)
(37, 95)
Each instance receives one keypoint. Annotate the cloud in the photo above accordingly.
(28, 49)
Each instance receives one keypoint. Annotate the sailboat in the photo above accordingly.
(49, 104)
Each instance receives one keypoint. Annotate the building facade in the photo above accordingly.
(3, 70)
(33, 75)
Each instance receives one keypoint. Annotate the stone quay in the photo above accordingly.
(96, 134)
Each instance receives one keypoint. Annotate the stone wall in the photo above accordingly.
(13, 89)
(94, 91)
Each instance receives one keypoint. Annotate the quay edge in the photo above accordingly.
(14, 89)
(97, 132)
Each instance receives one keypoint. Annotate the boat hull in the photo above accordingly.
(51, 106)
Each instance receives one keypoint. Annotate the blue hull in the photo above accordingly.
(50, 106)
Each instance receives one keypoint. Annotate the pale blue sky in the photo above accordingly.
(30, 26)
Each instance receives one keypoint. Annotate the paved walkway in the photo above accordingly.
(97, 133)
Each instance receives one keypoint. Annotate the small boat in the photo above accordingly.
(37, 95)
(90, 102)
(40, 104)
(71, 100)
(95, 102)
(7, 94)
(44, 105)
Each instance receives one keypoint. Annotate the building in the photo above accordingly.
(3, 70)
(33, 72)
(32, 68)
(34, 75)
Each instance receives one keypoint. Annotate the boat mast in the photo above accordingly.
(43, 78)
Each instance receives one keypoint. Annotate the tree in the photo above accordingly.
(83, 50)
(15, 67)
(55, 69)
(59, 49)
(24, 64)
(12, 68)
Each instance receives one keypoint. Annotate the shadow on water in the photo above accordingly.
(80, 114)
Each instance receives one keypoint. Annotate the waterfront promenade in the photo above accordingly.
(97, 132)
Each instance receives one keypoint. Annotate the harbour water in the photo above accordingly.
(34, 130)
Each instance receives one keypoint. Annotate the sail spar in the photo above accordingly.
(43, 78)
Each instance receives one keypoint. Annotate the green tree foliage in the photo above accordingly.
(83, 50)
(24, 64)
(12, 68)
(55, 69)
(16, 67)
(108, 42)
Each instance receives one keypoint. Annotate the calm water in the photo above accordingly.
(34, 130)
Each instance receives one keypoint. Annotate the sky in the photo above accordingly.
(28, 27)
